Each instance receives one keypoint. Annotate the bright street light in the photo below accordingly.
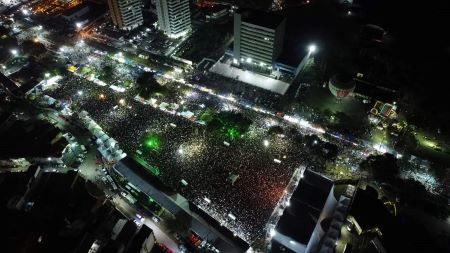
(80, 93)
(312, 48)
(249, 60)
(14, 52)
(47, 75)
(272, 232)
(25, 11)
(78, 24)
(266, 143)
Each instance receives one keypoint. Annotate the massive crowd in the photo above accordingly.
(194, 160)
(190, 152)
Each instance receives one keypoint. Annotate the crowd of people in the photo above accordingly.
(193, 159)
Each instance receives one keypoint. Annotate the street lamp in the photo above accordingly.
(312, 48)
(14, 52)
(78, 25)
(272, 232)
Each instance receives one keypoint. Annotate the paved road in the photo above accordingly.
(161, 236)
(130, 211)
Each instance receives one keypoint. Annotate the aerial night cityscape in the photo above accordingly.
(176, 126)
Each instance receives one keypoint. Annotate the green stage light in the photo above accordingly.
(151, 142)
(232, 132)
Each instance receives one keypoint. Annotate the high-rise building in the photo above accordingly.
(258, 37)
(126, 14)
(174, 17)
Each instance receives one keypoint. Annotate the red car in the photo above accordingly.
(164, 248)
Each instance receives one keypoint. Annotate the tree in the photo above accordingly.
(179, 223)
(33, 48)
(384, 167)
(6, 44)
(231, 124)
(275, 130)
(440, 172)
(147, 85)
(107, 73)
(208, 115)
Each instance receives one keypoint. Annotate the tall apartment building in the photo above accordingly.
(126, 14)
(258, 37)
(174, 17)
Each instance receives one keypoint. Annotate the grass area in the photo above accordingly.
(347, 115)
(428, 147)
(322, 100)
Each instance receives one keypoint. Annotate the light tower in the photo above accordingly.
(277, 5)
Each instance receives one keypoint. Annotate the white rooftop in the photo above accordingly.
(251, 78)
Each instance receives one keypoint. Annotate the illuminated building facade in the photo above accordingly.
(174, 17)
(126, 14)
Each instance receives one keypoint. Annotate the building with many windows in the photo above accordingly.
(258, 38)
(126, 14)
(174, 17)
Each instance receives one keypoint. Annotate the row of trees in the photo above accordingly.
(411, 192)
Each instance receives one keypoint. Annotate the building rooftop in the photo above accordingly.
(139, 239)
(31, 139)
(368, 210)
(250, 77)
(261, 18)
(307, 201)
(7, 83)
(75, 9)
(375, 92)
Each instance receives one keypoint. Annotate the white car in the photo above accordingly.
(155, 219)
